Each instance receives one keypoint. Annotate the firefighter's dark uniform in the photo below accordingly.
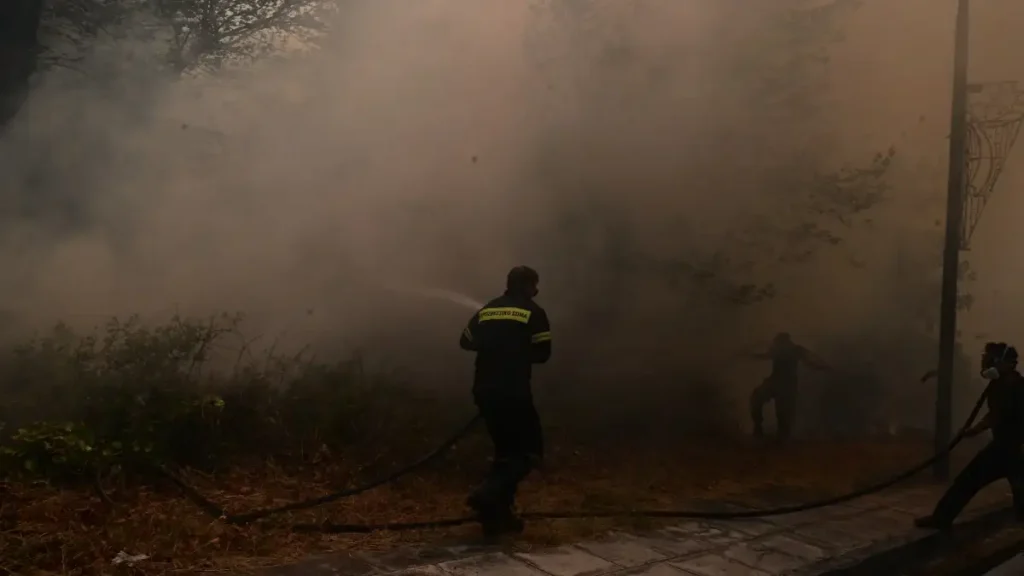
(509, 335)
(1001, 458)
(779, 387)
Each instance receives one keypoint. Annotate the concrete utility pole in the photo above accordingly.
(951, 251)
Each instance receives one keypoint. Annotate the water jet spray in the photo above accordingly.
(456, 298)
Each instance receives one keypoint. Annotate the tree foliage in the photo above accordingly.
(768, 101)
(69, 29)
(187, 35)
(213, 33)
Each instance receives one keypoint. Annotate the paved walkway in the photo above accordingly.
(805, 544)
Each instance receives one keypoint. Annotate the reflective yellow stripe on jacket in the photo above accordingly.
(514, 314)
(541, 337)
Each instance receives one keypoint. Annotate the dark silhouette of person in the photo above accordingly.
(781, 386)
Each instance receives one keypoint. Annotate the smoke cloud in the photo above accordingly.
(660, 162)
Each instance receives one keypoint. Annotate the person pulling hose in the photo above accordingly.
(1002, 457)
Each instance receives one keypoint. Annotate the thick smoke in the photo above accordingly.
(660, 162)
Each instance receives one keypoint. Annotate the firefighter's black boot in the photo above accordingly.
(494, 500)
(930, 522)
(499, 522)
(496, 519)
(1018, 510)
(483, 498)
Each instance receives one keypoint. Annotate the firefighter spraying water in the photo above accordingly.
(509, 334)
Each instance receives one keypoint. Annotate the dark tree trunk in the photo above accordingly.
(19, 39)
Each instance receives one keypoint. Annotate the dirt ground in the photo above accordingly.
(46, 530)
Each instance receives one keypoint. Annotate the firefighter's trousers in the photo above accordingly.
(514, 427)
(994, 461)
(783, 393)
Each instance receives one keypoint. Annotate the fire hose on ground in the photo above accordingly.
(219, 513)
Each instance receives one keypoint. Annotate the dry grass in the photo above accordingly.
(48, 530)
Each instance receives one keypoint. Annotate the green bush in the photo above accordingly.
(185, 393)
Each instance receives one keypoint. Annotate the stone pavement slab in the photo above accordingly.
(487, 564)
(624, 550)
(715, 565)
(655, 570)
(568, 561)
(811, 543)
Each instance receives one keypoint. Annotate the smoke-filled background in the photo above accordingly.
(689, 177)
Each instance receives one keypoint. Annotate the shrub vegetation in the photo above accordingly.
(188, 393)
